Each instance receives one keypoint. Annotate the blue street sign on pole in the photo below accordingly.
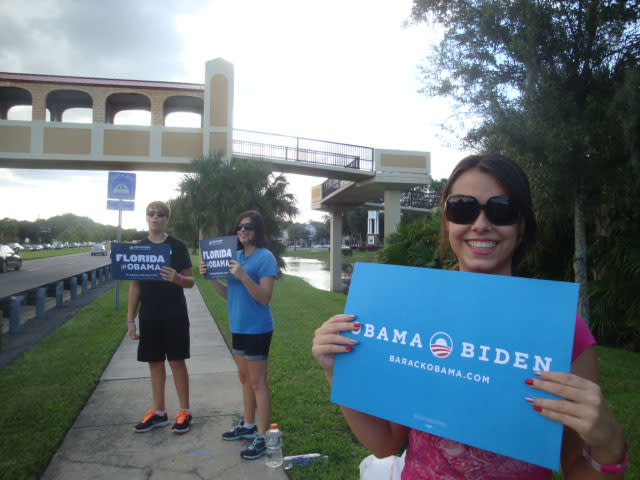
(120, 205)
(122, 186)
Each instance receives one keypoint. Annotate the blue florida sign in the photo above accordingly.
(447, 353)
(139, 261)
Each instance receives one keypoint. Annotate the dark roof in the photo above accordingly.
(102, 82)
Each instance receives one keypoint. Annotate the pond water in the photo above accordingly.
(314, 272)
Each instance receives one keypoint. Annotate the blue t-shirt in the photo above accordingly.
(246, 315)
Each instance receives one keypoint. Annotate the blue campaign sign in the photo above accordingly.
(139, 261)
(216, 253)
(122, 186)
(120, 205)
(447, 353)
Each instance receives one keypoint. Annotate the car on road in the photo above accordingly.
(16, 247)
(98, 250)
(9, 259)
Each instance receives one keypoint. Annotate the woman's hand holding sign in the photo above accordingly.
(583, 409)
(327, 341)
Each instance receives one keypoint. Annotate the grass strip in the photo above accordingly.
(323, 255)
(43, 391)
(30, 255)
(300, 393)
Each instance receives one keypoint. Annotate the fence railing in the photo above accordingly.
(298, 149)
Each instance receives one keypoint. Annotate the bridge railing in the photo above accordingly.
(298, 149)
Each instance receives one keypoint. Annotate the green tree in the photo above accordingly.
(298, 233)
(213, 196)
(415, 243)
(544, 82)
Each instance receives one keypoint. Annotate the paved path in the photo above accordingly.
(101, 443)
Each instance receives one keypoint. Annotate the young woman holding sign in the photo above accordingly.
(164, 323)
(248, 293)
(488, 223)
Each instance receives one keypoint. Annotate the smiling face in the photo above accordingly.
(481, 246)
(245, 236)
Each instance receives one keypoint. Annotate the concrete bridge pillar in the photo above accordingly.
(392, 211)
(335, 252)
(217, 116)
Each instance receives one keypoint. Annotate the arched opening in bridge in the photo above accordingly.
(60, 101)
(183, 111)
(128, 109)
(17, 101)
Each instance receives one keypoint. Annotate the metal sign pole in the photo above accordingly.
(119, 240)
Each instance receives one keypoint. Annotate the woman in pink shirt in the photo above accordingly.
(488, 223)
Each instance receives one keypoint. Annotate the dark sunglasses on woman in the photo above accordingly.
(465, 209)
(246, 226)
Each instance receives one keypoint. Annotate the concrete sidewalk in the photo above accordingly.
(101, 443)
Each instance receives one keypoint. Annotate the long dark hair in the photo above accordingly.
(260, 237)
(515, 183)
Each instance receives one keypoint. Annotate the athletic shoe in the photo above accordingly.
(151, 421)
(183, 422)
(240, 431)
(257, 449)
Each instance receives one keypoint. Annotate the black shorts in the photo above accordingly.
(252, 346)
(164, 338)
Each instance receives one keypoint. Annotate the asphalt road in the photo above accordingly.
(43, 271)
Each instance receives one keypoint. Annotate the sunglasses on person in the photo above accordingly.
(465, 209)
(159, 213)
(247, 226)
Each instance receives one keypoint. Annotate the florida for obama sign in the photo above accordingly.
(139, 261)
(217, 253)
(447, 353)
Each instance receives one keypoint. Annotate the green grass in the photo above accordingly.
(43, 391)
(52, 253)
(323, 255)
(300, 393)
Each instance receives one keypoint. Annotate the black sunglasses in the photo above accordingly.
(465, 209)
(159, 213)
(246, 226)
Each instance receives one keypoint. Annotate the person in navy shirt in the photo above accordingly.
(248, 293)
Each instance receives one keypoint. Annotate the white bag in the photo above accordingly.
(388, 468)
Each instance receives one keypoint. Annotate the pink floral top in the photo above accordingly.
(430, 457)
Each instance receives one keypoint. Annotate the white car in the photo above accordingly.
(98, 250)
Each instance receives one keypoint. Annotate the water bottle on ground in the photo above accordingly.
(273, 440)
(303, 460)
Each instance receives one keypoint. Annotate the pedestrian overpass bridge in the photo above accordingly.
(356, 175)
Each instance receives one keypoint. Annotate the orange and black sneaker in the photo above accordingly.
(183, 422)
(150, 421)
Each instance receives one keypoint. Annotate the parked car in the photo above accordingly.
(9, 259)
(16, 247)
(98, 250)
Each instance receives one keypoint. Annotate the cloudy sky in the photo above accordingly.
(342, 71)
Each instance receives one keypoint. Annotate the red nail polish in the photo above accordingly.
(348, 349)
(356, 324)
(537, 408)
(528, 381)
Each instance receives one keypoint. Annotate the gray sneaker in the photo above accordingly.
(240, 431)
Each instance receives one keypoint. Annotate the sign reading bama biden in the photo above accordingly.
(139, 261)
(448, 352)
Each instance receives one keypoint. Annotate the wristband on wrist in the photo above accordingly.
(180, 278)
(131, 322)
(611, 469)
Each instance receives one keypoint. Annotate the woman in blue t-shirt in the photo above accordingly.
(248, 293)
